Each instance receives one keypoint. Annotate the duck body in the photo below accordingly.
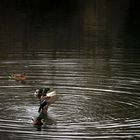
(46, 101)
(46, 94)
(18, 77)
(51, 97)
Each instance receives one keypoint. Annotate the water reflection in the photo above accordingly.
(85, 55)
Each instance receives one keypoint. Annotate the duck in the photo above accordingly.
(46, 97)
(47, 94)
(18, 77)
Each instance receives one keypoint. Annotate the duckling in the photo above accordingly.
(18, 77)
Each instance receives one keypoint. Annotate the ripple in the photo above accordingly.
(97, 99)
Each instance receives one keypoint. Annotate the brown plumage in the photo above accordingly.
(18, 77)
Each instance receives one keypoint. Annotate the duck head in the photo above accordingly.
(41, 92)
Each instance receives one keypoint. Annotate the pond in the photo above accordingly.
(84, 50)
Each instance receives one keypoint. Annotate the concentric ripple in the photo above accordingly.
(97, 99)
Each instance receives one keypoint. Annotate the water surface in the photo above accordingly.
(87, 53)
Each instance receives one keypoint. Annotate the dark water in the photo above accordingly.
(88, 51)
